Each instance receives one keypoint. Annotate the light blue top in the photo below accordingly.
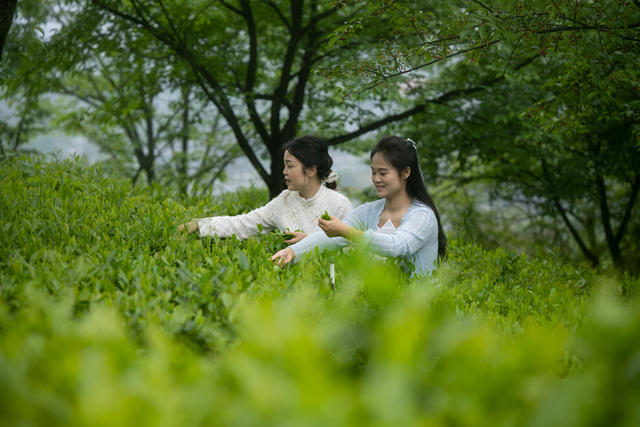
(416, 239)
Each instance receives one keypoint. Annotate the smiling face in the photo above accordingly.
(387, 180)
(296, 176)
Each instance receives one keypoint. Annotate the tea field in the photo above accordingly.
(109, 318)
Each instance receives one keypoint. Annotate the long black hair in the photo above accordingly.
(312, 151)
(402, 153)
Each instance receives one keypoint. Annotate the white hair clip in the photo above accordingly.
(413, 144)
(332, 177)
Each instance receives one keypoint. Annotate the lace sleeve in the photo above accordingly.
(242, 226)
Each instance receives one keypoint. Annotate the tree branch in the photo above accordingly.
(204, 77)
(173, 27)
(106, 74)
(322, 15)
(303, 77)
(408, 113)
(165, 125)
(84, 98)
(426, 64)
(7, 12)
(563, 213)
(280, 92)
(275, 7)
(252, 67)
(584, 27)
(586, 251)
(605, 216)
(483, 6)
(235, 128)
(98, 93)
(377, 124)
(147, 108)
(231, 8)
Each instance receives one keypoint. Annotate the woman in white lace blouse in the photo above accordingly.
(310, 191)
(403, 223)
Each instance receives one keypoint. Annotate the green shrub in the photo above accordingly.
(108, 317)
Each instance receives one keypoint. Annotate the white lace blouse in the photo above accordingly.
(288, 211)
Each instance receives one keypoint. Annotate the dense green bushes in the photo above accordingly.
(107, 317)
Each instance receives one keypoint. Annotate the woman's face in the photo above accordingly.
(295, 175)
(387, 180)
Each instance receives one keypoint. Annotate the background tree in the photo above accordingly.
(255, 62)
(536, 99)
(25, 117)
(128, 101)
(7, 11)
(559, 135)
(22, 113)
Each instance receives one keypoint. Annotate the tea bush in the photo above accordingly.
(109, 317)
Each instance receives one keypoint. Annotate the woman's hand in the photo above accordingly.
(283, 256)
(189, 227)
(297, 236)
(333, 227)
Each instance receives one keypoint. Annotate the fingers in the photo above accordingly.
(280, 260)
(278, 257)
(297, 236)
(283, 257)
(327, 220)
(326, 226)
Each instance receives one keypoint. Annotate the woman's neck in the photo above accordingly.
(398, 202)
(310, 190)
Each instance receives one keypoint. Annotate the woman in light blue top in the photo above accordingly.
(404, 223)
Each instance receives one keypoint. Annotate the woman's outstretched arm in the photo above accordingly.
(242, 226)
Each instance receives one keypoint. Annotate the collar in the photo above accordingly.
(307, 203)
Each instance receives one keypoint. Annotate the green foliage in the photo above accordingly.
(540, 103)
(108, 317)
(538, 98)
(22, 114)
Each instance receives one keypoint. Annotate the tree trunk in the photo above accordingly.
(576, 236)
(184, 159)
(7, 11)
(146, 164)
(149, 169)
(605, 215)
(277, 179)
(588, 253)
